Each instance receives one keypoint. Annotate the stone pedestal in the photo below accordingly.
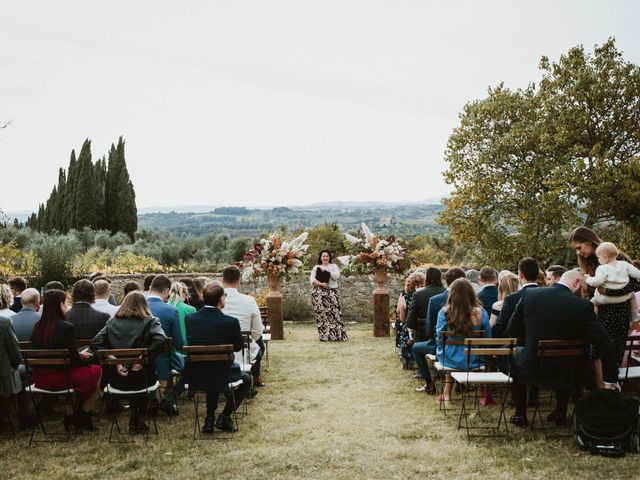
(380, 304)
(274, 305)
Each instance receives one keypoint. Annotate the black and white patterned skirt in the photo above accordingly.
(326, 305)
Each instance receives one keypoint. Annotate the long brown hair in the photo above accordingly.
(461, 303)
(507, 285)
(52, 313)
(134, 305)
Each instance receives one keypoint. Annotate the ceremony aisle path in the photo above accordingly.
(329, 411)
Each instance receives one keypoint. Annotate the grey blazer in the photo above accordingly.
(9, 359)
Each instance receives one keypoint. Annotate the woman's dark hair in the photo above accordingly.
(588, 265)
(51, 314)
(320, 256)
(461, 303)
(433, 277)
(130, 287)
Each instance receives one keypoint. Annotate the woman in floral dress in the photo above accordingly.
(326, 300)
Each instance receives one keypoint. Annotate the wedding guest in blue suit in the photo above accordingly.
(25, 319)
(488, 295)
(170, 320)
(210, 326)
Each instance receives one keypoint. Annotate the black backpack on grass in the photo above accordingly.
(607, 423)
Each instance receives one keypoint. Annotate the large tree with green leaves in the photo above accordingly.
(528, 165)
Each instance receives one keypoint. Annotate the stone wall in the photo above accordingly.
(356, 292)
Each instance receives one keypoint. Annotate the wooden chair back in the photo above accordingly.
(209, 353)
(43, 357)
(124, 356)
(562, 348)
(489, 346)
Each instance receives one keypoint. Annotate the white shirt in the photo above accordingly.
(7, 313)
(334, 272)
(103, 305)
(246, 310)
(614, 275)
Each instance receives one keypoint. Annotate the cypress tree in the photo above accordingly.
(84, 201)
(61, 217)
(111, 190)
(69, 208)
(120, 196)
(100, 178)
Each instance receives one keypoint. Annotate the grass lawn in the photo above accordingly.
(328, 411)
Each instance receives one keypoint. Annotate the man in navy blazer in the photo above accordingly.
(210, 326)
(170, 320)
(528, 270)
(25, 319)
(420, 349)
(489, 293)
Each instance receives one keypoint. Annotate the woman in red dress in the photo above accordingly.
(53, 331)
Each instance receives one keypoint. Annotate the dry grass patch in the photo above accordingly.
(328, 411)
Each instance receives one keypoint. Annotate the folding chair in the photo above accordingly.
(59, 359)
(548, 349)
(473, 380)
(222, 355)
(442, 371)
(631, 372)
(129, 357)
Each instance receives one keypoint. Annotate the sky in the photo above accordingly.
(266, 103)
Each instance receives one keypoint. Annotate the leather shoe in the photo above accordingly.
(427, 388)
(559, 419)
(519, 421)
(225, 424)
(207, 428)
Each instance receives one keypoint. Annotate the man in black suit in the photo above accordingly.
(87, 320)
(17, 286)
(528, 270)
(557, 313)
(209, 326)
(488, 279)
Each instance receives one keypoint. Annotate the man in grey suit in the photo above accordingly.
(26, 318)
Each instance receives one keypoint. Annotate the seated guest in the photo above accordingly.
(550, 314)
(178, 296)
(53, 331)
(147, 284)
(528, 270)
(86, 319)
(245, 309)
(188, 282)
(473, 275)
(6, 301)
(17, 285)
(53, 285)
(417, 310)
(420, 349)
(553, 274)
(488, 280)
(130, 287)
(133, 326)
(196, 300)
(25, 319)
(462, 315)
(402, 332)
(210, 326)
(103, 293)
(170, 320)
(11, 381)
(508, 284)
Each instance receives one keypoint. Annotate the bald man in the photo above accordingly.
(554, 313)
(26, 318)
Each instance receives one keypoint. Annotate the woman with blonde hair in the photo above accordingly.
(506, 286)
(6, 300)
(133, 326)
(178, 297)
(462, 314)
(411, 284)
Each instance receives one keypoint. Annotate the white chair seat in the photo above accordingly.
(634, 372)
(114, 391)
(481, 377)
(246, 367)
(34, 389)
(235, 384)
(266, 337)
(430, 357)
(175, 372)
(635, 357)
(441, 368)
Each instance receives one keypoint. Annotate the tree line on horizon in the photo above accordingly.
(96, 195)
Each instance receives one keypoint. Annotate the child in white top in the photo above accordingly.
(613, 274)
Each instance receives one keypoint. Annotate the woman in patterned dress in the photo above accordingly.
(326, 300)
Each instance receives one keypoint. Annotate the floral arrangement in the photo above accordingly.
(275, 255)
(369, 252)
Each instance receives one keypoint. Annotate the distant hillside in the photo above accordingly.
(405, 220)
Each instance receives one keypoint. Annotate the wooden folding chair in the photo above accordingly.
(56, 358)
(630, 373)
(129, 357)
(555, 349)
(469, 380)
(213, 354)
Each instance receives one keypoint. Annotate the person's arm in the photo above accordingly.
(334, 272)
(11, 344)
(176, 330)
(402, 308)
(69, 341)
(156, 339)
(236, 336)
(632, 271)
(503, 319)
(598, 279)
(431, 320)
(485, 323)
(99, 341)
(441, 326)
(312, 277)
(515, 326)
(256, 321)
(412, 314)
